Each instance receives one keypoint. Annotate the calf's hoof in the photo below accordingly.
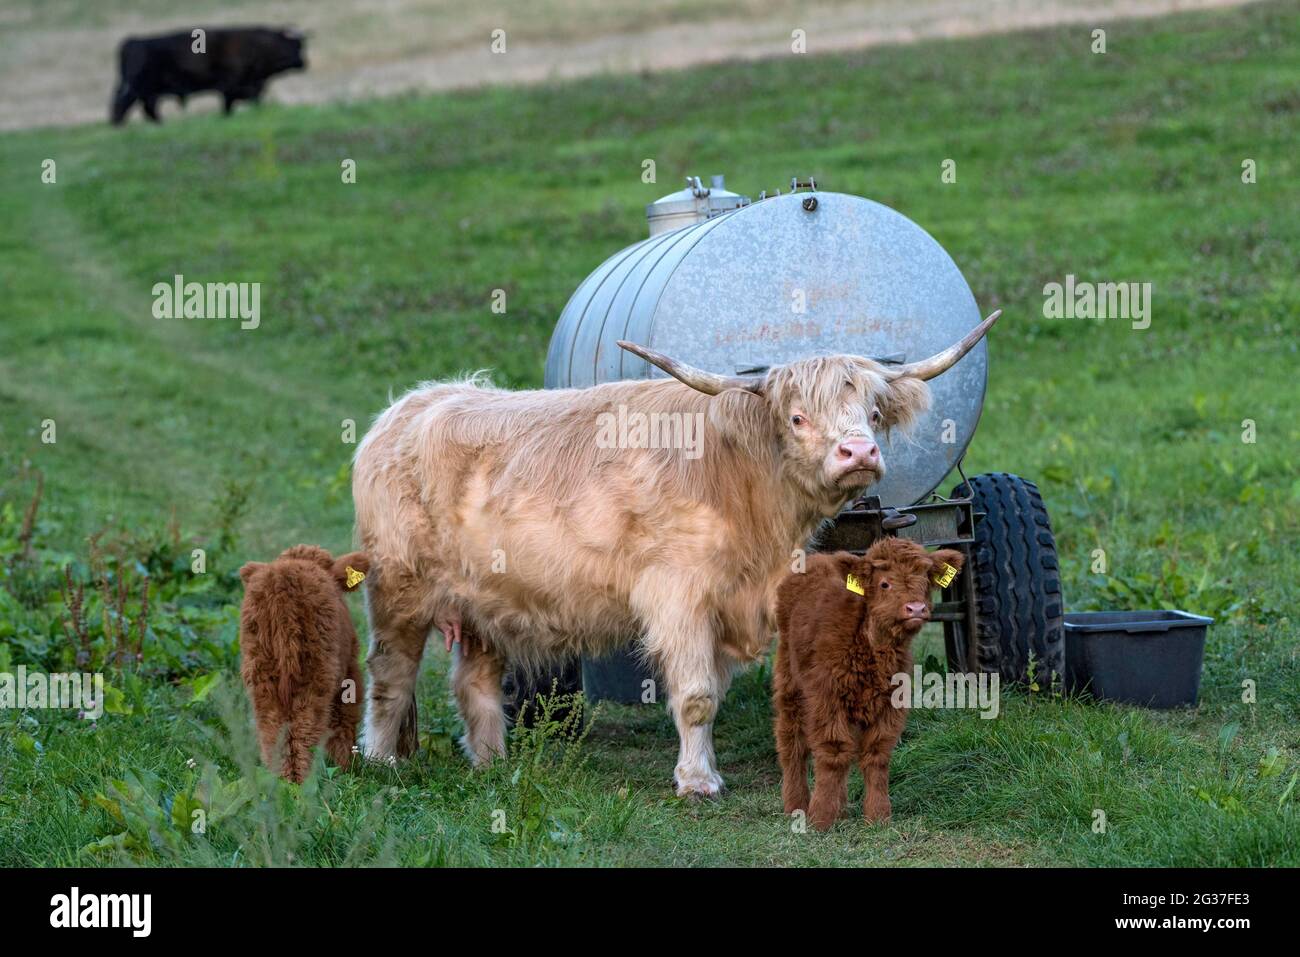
(876, 812)
(823, 819)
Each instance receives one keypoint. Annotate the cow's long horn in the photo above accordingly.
(710, 383)
(941, 362)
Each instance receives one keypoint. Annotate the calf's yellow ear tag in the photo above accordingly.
(853, 585)
(944, 576)
(355, 577)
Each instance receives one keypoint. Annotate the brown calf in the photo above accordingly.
(847, 625)
(300, 655)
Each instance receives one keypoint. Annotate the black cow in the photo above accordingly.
(236, 63)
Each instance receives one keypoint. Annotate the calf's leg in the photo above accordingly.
(792, 750)
(874, 762)
(831, 763)
(791, 745)
(344, 715)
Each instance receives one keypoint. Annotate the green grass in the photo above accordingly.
(1122, 167)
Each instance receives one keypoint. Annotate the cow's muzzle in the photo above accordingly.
(857, 459)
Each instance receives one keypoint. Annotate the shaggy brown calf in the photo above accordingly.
(300, 655)
(847, 625)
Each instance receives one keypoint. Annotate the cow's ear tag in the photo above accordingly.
(853, 585)
(355, 577)
(944, 576)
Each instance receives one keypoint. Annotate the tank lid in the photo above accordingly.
(715, 198)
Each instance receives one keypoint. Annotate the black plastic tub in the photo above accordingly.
(1149, 658)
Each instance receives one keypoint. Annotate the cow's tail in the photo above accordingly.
(123, 99)
(129, 61)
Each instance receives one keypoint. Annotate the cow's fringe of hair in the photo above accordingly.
(820, 382)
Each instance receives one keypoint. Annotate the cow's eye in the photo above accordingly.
(884, 585)
(796, 420)
(875, 416)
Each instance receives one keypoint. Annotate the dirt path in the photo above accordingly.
(57, 57)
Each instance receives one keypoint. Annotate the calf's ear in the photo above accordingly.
(944, 559)
(350, 570)
(848, 562)
(249, 570)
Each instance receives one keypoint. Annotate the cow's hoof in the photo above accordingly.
(698, 797)
(699, 786)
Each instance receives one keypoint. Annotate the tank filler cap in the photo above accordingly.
(694, 204)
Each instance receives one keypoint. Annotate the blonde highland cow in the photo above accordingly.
(498, 518)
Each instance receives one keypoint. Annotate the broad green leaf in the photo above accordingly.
(115, 701)
(202, 686)
(1272, 764)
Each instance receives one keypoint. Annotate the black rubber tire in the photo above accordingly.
(520, 689)
(1017, 582)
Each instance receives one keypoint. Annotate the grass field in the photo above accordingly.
(58, 57)
(1118, 167)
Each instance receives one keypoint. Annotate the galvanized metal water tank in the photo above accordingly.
(780, 279)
